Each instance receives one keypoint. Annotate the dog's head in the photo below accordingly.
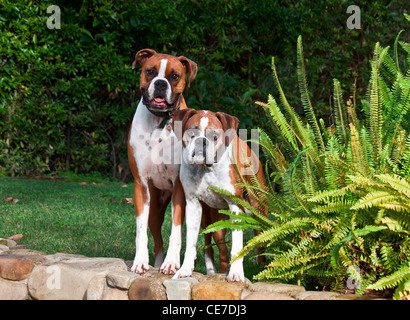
(162, 79)
(205, 134)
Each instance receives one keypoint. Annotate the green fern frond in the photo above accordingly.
(376, 119)
(340, 112)
(396, 56)
(327, 195)
(294, 117)
(397, 183)
(304, 92)
(264, 221)
(281, 122)
(335, 253)
(373, 199)
(279, 232)
(242, 221)
(393, 280)
(295, 268)
(275, 157)
(334, 207)
(396, 206)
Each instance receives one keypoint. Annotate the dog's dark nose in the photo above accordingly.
(160, 84)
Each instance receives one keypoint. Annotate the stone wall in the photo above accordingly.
(29, 274)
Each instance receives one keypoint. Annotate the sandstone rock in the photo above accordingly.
(213, 277)
(121, 279)
(316, 295)
(140, 289)
(267, 296)
(16, 237)
(3, 248)
(69, 280)
(8, 242)
(13, 290)
(153, 279)
(18, 267)
(352, 296)
(219, 277)
(274, 287)
(156, 279)
(64, 257)
(217, 290)
(179, 289)
(23, 252)
(114, 294)
(96, 287)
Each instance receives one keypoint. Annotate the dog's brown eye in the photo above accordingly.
(215, 137)
(175, 77)
(190, 133)
(150, 72)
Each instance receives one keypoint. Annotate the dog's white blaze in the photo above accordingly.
(160, 76)
(161, 72)
(203, 124)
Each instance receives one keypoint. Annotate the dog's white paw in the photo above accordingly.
(183, 273)
(140, 267)
(169, 267)
(236, 274)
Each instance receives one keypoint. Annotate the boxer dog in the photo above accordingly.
(154, 156)
(211, 150)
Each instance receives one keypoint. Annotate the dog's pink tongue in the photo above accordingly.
(160, 102)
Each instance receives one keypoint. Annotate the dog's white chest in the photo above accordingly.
(157, 151)
(197, 180)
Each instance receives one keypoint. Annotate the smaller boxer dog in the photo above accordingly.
(210, 151)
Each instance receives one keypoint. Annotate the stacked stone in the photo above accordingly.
(29, 274)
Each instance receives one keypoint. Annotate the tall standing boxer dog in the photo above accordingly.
(211, 150)
(154, 156)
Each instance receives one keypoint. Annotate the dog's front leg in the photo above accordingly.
(236, 271)
(193, 222)
(172, 261)
(142, 201)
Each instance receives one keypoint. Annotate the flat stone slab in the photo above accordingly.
(121, 279)
(267, 296)
(316, 295)
(68, 280)
(13, 290)
(18, 267)
(179, 289)
(273, 287)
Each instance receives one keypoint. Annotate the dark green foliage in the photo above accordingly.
(66, 95)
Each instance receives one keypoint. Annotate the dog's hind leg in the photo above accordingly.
(155, 221)
(209, 251)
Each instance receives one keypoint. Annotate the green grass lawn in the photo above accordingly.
(93, 219)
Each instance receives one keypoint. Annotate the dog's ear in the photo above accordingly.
(179, 119)
(229, 124)
(142, 56)
(190, 67)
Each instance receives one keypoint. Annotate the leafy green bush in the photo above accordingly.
(66, 95)
(59, 92)
(341, 196)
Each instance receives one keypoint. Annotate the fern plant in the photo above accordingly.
(338, 196)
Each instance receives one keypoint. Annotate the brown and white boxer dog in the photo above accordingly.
(211, 148)
(154, 156)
